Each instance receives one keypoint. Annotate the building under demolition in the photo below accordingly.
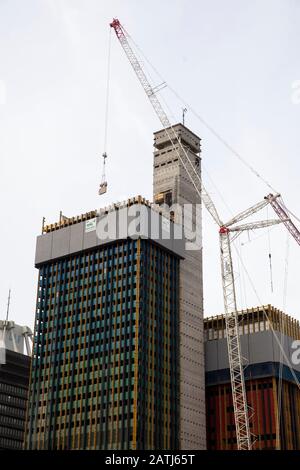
(14, 379)
(272, 392)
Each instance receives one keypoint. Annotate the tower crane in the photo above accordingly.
(227, 232)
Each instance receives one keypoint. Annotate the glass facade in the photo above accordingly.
(14, 378)
(105, 364)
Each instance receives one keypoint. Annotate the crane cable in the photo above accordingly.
(287, 210)
(281, 340)
(256, 173)
(240, 271)
(243, 276)
(107, 92)
(251, 168)
(280, 375)
(270, 323)
(104, 155)
(270, 254)
(208, 126)
(204, 122)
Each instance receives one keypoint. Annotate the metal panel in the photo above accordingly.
(258, 347)
(61, 242)
(76, 238)
(89, 239)
(211, 355)
(43, 248)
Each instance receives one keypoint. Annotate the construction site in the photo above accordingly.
(222, 359)
(124, 355)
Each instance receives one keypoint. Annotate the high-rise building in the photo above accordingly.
(14, 379)
(271, 385)
(172, 186)
(105, 362)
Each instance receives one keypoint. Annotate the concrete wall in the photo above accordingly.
(13, 339)
(259, 347)
(169, 174)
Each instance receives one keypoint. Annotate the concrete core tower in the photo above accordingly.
(172, 185)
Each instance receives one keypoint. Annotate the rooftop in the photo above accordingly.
(66, 221)
(254, 320)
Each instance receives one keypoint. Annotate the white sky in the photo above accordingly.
(234, 62)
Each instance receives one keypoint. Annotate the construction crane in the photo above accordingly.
(234, 350)
(282, 213)
(227, 232)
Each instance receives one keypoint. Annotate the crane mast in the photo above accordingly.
(239, 398)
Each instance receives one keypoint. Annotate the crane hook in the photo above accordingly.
(103, 184)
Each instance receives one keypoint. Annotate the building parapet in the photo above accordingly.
(67, 221)
(254, 320)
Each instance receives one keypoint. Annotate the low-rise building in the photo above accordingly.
(271, 384)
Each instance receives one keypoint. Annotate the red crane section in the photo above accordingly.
(283, 215)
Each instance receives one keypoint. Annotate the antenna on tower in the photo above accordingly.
(8, 305)
(43, 224)
(6, 319)
(184, 110)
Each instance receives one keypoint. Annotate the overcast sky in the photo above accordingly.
(234, 62)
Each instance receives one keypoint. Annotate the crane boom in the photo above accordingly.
(151, 93)
(140, 73)
(255, 225)
(247, 213)
(233, 341)
(283, 216)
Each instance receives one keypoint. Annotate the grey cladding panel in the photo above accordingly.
(261, 347)
(76, 238)
(89, 240)
(256, 348)
(245, 347)
(222, 354)
(211, 356)
(61, 242)
(43, 248)
(289, 352)
(288, 349)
